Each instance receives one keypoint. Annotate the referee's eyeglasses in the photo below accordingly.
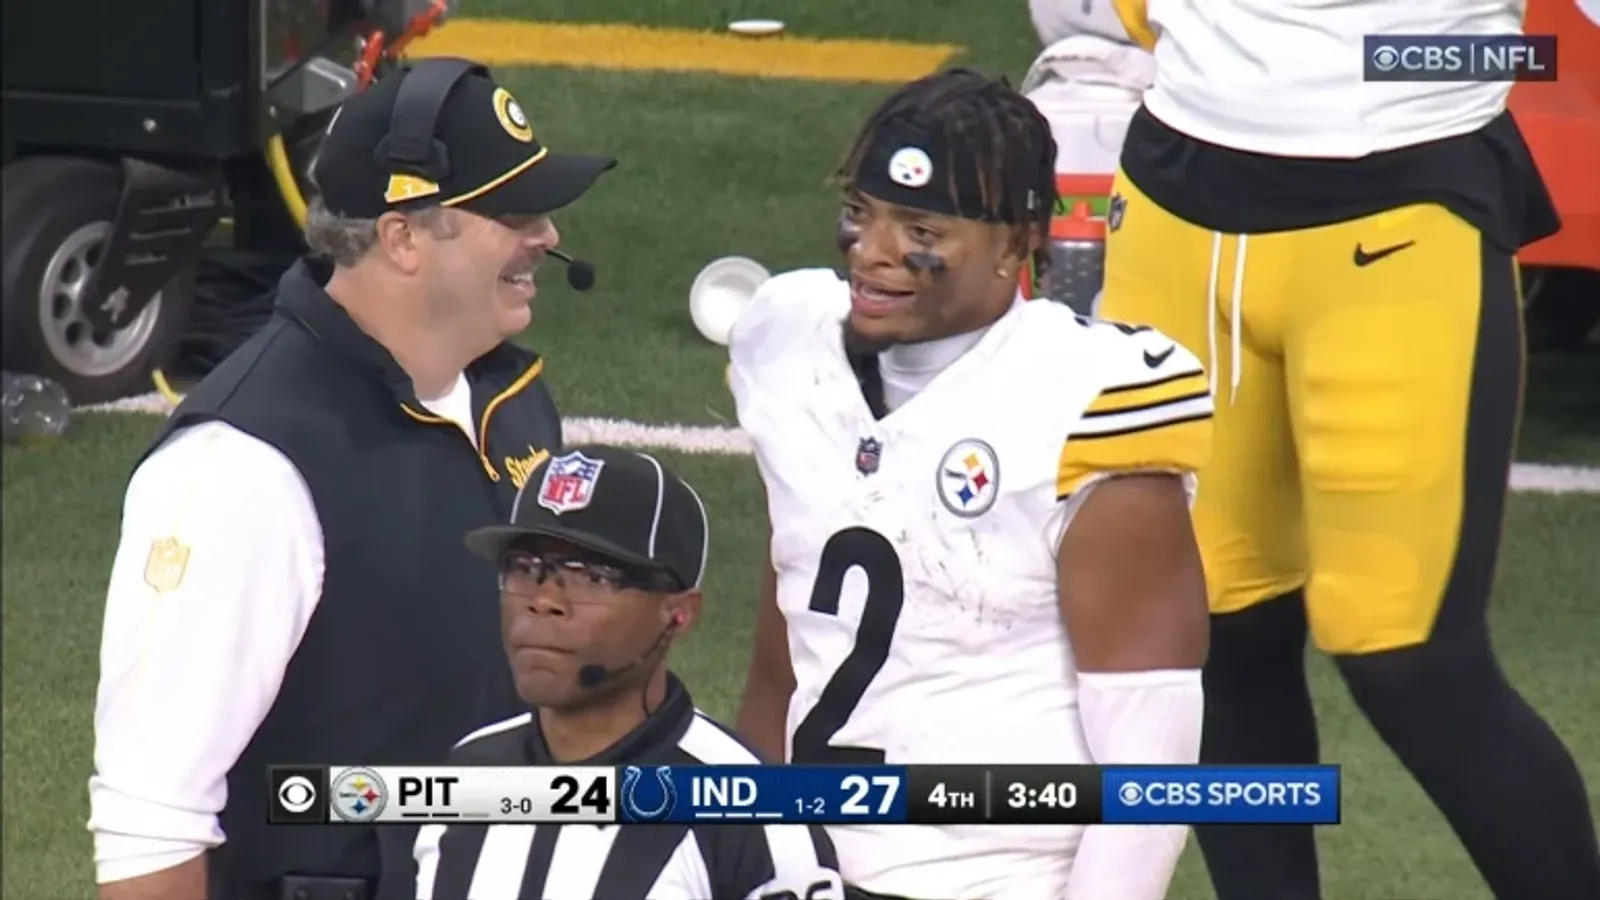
(523, 570)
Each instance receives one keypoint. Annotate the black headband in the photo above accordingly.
(913, 164)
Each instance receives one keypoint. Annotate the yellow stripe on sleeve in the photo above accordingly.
(1155, 392)
(1173, 443)
(1136, 19)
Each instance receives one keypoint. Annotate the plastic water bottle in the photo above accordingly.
(36, 409)
(1077, 259)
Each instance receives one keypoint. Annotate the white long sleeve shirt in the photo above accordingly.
(217, 574)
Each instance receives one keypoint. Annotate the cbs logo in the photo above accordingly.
(1414, 58)
(1161, 793)
(297, 794)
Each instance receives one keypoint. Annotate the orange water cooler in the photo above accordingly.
(1561, 121)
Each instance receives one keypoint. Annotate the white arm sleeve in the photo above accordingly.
(1135, 718)
(217, 573)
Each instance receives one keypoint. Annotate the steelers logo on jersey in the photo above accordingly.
(968, 478)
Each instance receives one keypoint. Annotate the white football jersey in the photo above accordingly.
(1284, 77)
(916, 554)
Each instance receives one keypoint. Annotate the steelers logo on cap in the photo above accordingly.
(511, 117)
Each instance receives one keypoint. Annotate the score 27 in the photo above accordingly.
(861, 788)
(864, 796)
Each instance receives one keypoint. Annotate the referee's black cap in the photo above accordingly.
(492, 161)
(626, 506)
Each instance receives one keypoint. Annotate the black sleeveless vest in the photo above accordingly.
(402, 657)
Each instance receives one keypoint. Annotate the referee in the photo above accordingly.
(290, 584)
(599, 572)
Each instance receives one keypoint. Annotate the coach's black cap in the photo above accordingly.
(496, 164)
(624, 505)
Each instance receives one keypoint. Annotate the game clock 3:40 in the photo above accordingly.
(1048, 795)
(1055, 795)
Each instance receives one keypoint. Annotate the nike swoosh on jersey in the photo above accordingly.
(1363, 258)
(1154, 360)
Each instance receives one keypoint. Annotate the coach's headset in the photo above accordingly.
(410, 147)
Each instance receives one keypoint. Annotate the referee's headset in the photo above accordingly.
(592, 675)
(411, 147)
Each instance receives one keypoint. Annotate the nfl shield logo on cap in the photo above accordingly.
(569, 483)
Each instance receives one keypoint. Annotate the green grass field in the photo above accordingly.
(714, 166)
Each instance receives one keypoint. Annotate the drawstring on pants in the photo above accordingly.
(1235, 341)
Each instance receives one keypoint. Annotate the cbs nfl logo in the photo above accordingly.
(359, 796)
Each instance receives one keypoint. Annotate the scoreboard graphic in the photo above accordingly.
(827, 795)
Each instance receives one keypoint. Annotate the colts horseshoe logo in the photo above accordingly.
(511, 116)
(630, 786)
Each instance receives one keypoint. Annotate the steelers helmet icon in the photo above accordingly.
(359, 795)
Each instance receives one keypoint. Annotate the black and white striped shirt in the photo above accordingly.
(626, 862)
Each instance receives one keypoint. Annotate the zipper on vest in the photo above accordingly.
(480, 447)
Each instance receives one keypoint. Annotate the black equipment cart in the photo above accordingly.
(130, 132)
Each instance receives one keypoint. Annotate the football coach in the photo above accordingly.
(290, 585)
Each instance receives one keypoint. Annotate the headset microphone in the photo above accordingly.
(579, 273)
(593, 675)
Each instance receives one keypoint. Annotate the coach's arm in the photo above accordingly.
(217, 572)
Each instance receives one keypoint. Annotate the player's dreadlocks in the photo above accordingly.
(1004, 132)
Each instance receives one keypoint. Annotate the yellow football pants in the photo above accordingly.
(1368, 383)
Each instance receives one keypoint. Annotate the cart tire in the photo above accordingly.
(56, 218)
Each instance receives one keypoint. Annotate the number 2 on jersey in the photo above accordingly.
(871, 552)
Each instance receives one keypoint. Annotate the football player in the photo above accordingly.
(981, 549)
(1342, 252)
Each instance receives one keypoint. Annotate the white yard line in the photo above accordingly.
(719, 441)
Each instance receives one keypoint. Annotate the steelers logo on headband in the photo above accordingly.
(914, 163)
(911, 167)
(511, 116)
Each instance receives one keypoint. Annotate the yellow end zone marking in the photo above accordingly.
(505, 42)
